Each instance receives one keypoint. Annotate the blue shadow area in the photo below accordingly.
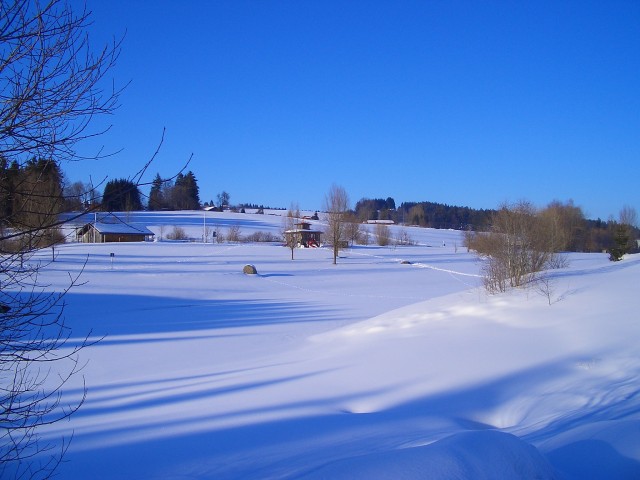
(593, 460)
(237, 452)
(117, 315)
(316, 440)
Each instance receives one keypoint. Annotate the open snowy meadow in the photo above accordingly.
(371, 368)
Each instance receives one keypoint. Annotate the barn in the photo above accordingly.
(112, 232)
(303, 235)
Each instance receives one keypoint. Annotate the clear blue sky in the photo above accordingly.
(461, 102)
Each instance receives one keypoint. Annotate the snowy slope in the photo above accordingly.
(367, 369)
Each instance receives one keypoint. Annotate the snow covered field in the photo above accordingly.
(367, 369)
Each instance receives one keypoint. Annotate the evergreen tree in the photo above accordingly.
(183, 194)
(620, 242)
(156, 196)
(167, 194)
(177, 193)
(191, 192)
(390, 203)
(121, 195)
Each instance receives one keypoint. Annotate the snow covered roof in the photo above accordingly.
(302, 230)
(121, 228)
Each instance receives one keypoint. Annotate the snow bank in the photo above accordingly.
(479, 455)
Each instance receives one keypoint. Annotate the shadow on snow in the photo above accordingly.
(290, 447)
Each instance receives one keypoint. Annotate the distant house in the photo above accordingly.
(382, 222)
(303, 235)
(112, 232)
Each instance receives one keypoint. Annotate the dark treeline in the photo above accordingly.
(181, 193)
(35, 192)
(438, 215)
(579, 233)
(423, 214)
(603, 235)
(255, 206)
(375, 209)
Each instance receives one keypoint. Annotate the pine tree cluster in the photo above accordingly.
(181, 194)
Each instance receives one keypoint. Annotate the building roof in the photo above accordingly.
(302, 230)
(121, 229)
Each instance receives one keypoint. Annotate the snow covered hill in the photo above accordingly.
(371, 368)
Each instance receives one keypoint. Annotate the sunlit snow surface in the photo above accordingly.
(371, 368)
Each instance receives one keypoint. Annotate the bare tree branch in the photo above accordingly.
(53, 85)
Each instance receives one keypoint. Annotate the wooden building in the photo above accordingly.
(303, 235)
(112, 232)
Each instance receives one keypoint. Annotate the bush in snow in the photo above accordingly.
(403, 238)
(177, 233)
(233, 234)
(620, 242)
(260, 236)
(519, 246)
(383, 234)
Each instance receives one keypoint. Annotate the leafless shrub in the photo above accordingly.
(353, 229)
(178, 233)
(545, 287)
(233, 234)
(220, 236)
(516, 250)
(363, 239)
(403, 238)
(495, 276)
(564, 226)
(557, 261)
(206, 234)
(383, 234)
(260, 236)
(468, 239)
